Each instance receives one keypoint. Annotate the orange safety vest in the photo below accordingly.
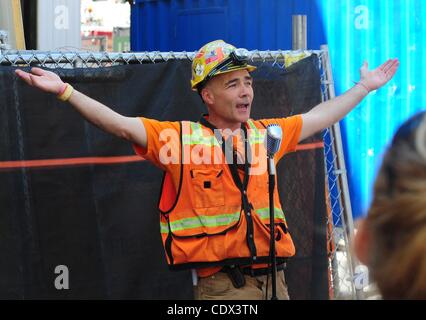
(215, 218)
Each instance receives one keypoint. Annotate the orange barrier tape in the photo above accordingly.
(310, 146)
(68, 162)
(44, 163)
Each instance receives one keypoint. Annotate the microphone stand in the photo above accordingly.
(272, 253)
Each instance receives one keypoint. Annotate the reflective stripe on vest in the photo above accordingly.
(263, 213)
(216, 221)
(201, 221)
(256, 136)
(197, 136)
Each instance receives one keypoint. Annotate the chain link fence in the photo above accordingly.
(341, 264)
(4, 40)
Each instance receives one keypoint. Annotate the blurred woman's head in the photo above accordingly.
(391, 241)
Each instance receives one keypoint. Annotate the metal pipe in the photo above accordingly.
(299, 31)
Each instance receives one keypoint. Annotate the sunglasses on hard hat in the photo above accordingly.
(236, 59)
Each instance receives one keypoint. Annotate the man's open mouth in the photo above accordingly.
(243, 106)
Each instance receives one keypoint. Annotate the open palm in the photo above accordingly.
(42, 79)
(378, 77)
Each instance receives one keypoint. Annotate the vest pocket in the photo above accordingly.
(208, 188)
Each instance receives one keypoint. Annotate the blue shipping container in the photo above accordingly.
(183, 25)
(373, 31)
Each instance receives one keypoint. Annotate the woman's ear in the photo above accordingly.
(362, 242)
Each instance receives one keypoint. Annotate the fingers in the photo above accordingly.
(387, 65)
(24, 76)
(389, 68)
(20, 73)
(30, 79)
(390, 72)
(38, 71)
(34, 80)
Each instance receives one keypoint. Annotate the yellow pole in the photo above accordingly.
(18, 26)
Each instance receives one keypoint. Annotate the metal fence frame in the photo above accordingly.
(341, 229)
(339, 223)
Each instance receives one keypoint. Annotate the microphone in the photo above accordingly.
(274, 135)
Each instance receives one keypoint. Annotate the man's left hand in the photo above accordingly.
(378, 77)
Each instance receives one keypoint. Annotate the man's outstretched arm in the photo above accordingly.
(329, 112)
(129, 128)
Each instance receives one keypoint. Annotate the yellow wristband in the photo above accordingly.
(67, 93)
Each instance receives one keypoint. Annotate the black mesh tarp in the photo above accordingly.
(100, 220)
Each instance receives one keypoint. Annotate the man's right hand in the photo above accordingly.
(42, 79)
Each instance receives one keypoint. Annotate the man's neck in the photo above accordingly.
(223, 124)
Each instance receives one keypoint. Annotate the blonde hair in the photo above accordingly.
(397, 217)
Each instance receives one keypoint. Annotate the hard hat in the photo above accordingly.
(215, 58)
